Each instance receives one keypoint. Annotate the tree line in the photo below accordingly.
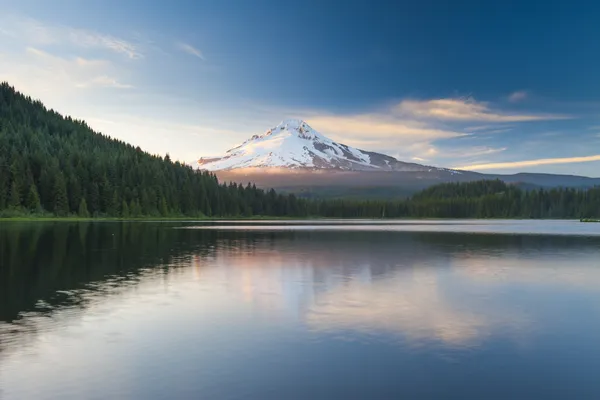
(481, 199)
(55, 165)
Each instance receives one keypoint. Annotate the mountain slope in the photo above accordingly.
(293, 144)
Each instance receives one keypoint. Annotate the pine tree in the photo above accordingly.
(113, 209)
(137, 209)
(124, 210)
(83, 209)
(61, 201)
(132, 208)
(33, 200)
(164, 211)
(94, 198)
(15, 196)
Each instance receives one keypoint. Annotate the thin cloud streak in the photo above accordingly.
(35, 32)
(104, 81)
(471, 152)
(375, 126)
(190, 50)
(531, 163)
(89, 39)
(465, 110)
(518, 96)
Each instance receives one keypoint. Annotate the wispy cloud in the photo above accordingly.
(489, 129)
(414, 129)
(518, 96)
(463, 110)
(41, 73)
(104, 81)
(38, 33)
(531, 163)
(88, 39)
(378, 127)
(429, 152)
(476, 151)
(84, 73)
(188, 48)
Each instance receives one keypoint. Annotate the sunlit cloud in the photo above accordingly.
(464, 152)
(378, 127)
(464, 109)
(480, 128)
(531, 163)
(189, 49)
(489, 129)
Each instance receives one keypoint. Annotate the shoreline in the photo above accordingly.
(139, 219)
(262, 218)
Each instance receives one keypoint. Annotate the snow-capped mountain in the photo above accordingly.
(294, 144)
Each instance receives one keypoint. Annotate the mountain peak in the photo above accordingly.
(296, 127)
(294, 144)
(293, 123)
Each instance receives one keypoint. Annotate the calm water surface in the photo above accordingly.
(300, 310)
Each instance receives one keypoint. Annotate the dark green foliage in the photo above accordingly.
(124, 210)
(83, 209)
(61, 204)
(33, 200)
(482, 199)
(164, 211)
(15, 196)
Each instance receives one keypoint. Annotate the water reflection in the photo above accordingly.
(399, 281)
(125, 294)
(414, 305)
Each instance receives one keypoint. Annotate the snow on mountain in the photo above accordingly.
(294, 144)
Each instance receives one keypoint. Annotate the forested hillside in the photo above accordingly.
(59, 165)
(54, 165)
(482, 199)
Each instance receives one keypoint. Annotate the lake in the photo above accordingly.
(300, 310)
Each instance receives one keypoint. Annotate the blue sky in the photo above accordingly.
(489, 86)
